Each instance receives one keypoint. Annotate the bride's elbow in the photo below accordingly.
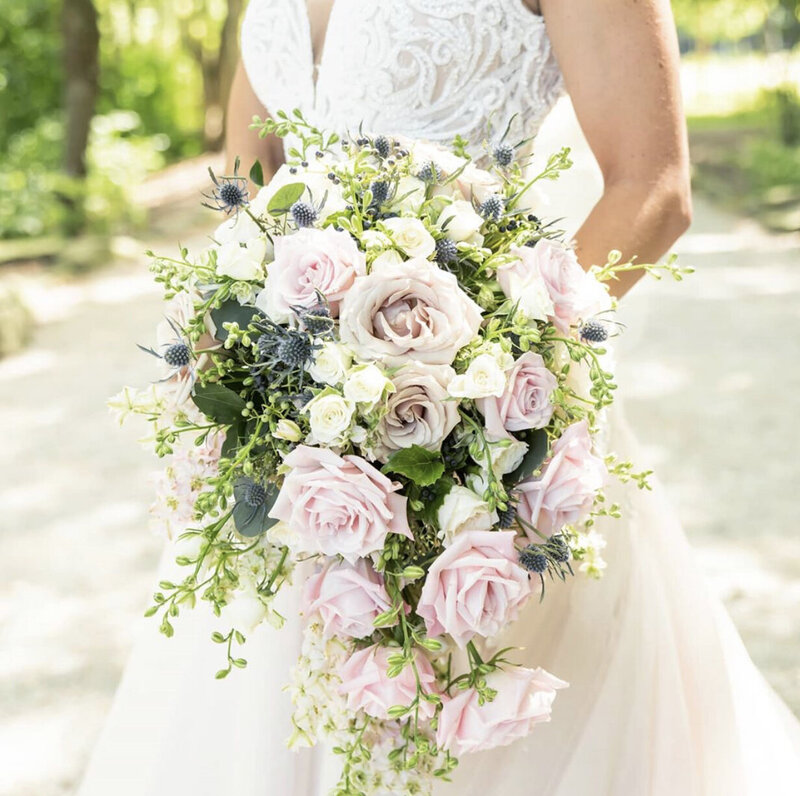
(676, 206)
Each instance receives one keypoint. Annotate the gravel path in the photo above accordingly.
(708, 370)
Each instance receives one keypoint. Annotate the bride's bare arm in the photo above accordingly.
(620, 64)
(242, 141)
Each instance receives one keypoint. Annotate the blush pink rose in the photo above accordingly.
(347, 597)
(565, 492)
(338, 505)
(526, 402)
(524, 698)
(475, 587)
(310, 260)
(575, 294)
(368, 687)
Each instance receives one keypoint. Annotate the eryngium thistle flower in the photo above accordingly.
(492, 207)
(503, 154)
(593, 331)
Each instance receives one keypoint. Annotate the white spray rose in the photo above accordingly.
(366, 385)
(288, 430)
(507, 453)
(409, 194)
(330, 416)
(374, 239)
(463, 510)
(242, 262)
(526, 288)
(460, 222)
(485, 376)
(391, 258)
(410, 235)
(331, 364)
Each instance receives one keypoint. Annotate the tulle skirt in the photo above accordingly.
(663, 698)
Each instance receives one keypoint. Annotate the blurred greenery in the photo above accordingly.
(164, 70)
(750, 160)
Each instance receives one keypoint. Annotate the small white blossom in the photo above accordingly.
(463, 510)
(330, 416)
(331, 364)
(484, 377)
(411, 236)
(366, 385)
(288, 430)
(245, 263)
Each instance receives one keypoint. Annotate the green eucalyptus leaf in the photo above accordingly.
(252, 521)
(219, 403)
(285, 197)
(537, 452)
(419, 465)
(257, 174)
(231, 312)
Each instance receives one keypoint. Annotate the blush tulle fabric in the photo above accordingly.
(663, 698)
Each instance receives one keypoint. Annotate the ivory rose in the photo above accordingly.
(418, 411)
(338, 505)
(242, 261)
(347, 597)
(565, 492)
(463, 510)
(411, 236)
(526, 401)
(475, 587)
(410, 310)
(310, 261)
(524, 699)
(460, 222)
(368, 687)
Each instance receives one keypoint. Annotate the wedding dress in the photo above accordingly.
(663, 698)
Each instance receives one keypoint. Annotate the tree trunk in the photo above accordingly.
(81, 38)
(217, 69)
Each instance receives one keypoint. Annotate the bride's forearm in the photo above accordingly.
(638, 219)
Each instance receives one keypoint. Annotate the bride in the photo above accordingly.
(663, 699)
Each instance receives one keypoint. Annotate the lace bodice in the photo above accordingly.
(422, 68)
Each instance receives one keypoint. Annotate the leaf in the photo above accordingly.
(231, 312)
(285, 198)
(219, 403)
(252, 521)
(537, 452)
(232, 440)
(257, 174)
(419, 465)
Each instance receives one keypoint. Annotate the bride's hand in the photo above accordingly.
(620, 63)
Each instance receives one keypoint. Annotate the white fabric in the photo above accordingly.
(663, 699)
(426, 68)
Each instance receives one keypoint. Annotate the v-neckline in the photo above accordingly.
(316, 59)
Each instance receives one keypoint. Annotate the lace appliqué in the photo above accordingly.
(423, 68)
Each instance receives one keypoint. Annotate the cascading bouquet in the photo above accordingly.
(385, 379)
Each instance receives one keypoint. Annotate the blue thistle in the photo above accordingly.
(230, 193)
(446, 251)
(593, 331)
(304, 213)
(503, 154)
(533, 560)
(382, 146)
(492, 208)
(430, 173)
(178, 355)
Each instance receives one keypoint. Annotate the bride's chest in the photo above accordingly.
(429, 68)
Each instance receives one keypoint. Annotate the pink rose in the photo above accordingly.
(347, 597)
(565, 492)
(338, 505)
(368, 687)
(524, 698)
(526, 402)
(575, 293)
(310, 260)
(475, 587)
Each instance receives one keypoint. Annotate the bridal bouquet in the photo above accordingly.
(384, 380)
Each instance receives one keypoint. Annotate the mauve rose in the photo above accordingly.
(310, 260)
(338, 505)
(526, 402)
(565, 492)
(575, 293)
(418, 411)
(524, 698)
(475, 587)
(347, 597)
(367, 686)
(408, 310)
